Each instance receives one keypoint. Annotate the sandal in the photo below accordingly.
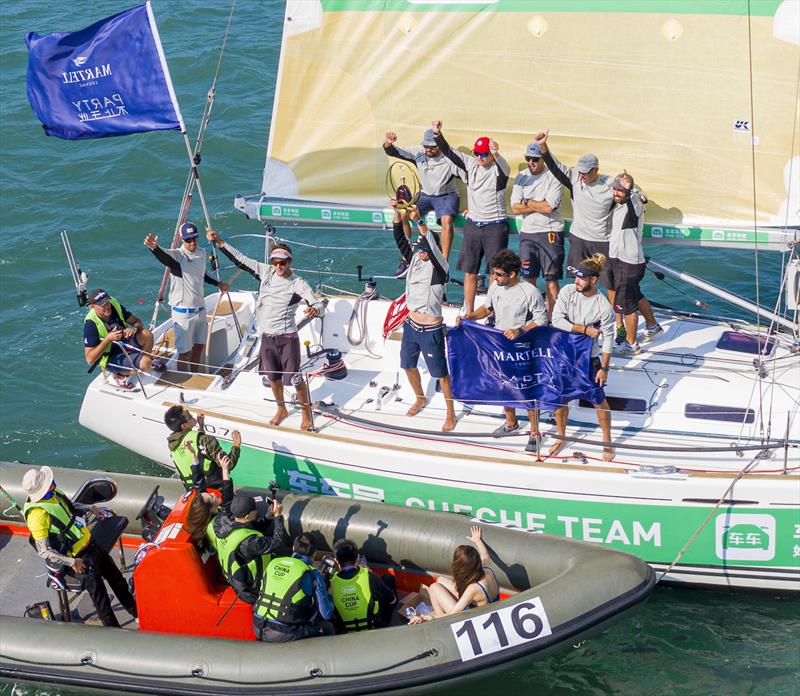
(159, 365)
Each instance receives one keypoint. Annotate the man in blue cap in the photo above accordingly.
(537, 197)
(187, 267)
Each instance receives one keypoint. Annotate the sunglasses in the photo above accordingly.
(193, 240)
(280, 262)
(481, 156)
(499, 274)
(532, 159)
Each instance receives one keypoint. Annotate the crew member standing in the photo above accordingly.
(581, 309)
(537, 197)
(517, 307)
(187, 267)
(423, 329)
(486, 228)
(279, 294)
(592, 200)
(437, 177)
(61, 537)
(626, 255)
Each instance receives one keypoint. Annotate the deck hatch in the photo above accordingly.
(620, 403)
(742, 343)
(729, 414)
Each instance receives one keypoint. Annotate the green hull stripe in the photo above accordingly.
(763, 8)
(383, 218)
(763, 537)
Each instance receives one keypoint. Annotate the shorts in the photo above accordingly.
(539, 256)
(280, 357)
(444, 204)
(267, 632)
(480, 242)
(580, 249)
(189, 329)
(627, 277)
(119, 361)
(429, 343)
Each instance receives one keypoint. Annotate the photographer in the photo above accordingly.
(243, 549)
(362, 599)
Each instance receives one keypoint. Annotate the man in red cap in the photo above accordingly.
(486, 228)
(187, 267)
(280, 292)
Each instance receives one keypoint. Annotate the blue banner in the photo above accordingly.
(106, 80)
(544, 368)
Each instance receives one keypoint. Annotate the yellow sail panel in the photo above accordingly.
(665, 96)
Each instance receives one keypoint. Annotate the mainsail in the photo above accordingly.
(698, 100)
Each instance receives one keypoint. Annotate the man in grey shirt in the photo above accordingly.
(627, 259)
(537, 197)
(592, 200)
(517, 307)
(187, 267)
(437, 176)
(581, 309)
(486, 228)
(279, 293)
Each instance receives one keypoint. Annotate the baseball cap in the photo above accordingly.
(618, 185)
(427, 139)
(534, 150)
(99, 297)
(36, 482)
(189, 230)
(587, 162)
(242, 505)
(481, 146)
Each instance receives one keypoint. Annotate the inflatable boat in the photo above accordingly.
(194, 637)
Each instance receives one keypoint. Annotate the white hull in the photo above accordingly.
(647, 501)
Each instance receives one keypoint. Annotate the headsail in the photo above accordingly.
(659, 87)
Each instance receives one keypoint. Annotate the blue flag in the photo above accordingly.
(108, 79)
(543, 368)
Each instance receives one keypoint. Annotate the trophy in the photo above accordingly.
(403, 185)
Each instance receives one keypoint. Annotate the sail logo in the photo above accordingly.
(745, 537)
(741, 126)
(80, 60)
(88, 75)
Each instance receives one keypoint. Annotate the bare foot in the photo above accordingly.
(417, 406)
(449, 423)
(280, 415)
(307, 424)
(555, 448)
(608, 454)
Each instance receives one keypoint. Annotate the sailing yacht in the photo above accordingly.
(701, 106)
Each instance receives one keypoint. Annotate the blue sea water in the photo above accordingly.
(109, 193)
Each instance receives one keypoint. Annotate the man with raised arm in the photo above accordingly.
(537, 197)
(107, 329)
(581, 309)
(423, 329)
(486, 228)
(517, 307)
(592, 200)
(626, 255)
(187, 267)
(437, 175)
(279, 294)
